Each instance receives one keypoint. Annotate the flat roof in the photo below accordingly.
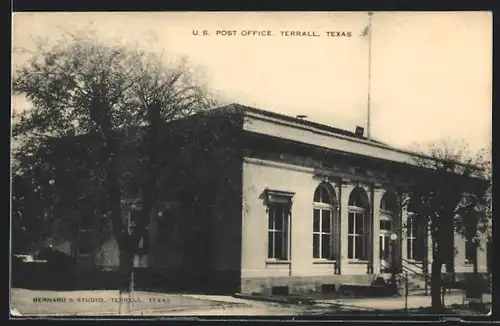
(401, 154)
(243, 108)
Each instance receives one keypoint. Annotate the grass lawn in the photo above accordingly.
(100, 302)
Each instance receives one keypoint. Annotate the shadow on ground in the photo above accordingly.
(455, 310)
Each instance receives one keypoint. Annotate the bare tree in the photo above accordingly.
(449, 174)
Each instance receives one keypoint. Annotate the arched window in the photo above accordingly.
(323, 216)
(358, 228)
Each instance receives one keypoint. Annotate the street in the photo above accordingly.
(140, 303)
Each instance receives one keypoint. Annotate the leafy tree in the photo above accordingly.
(33, 197)
(449, 176)
(116, 95)
(473, 213)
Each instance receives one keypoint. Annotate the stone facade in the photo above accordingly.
(379, 172)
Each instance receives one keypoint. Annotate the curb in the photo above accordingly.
(180, 309)
(289, 300)
(143, 312)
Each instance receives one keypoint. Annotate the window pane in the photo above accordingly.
(271, 219)
(359, 223)
(316, 220)
(351, 223)
(284, 248)
(279, 217)
(325, 246)
(385, 225)
(358, 247)
(316, 245)
(278, 240)
(324, 196)
(317, 195)
(409, 227)
(325, 225)
(270, 245)
(350, 252)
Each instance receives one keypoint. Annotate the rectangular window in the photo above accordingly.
(278, 232)
(355, 246)
(385, 225)
(322, 233)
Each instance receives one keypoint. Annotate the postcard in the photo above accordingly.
(251, 164)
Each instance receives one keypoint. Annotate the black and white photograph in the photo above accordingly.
(293, 164)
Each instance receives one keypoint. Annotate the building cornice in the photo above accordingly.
(340, 177)
(275, 164)
(260, 123)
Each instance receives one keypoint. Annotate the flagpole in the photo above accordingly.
(369, 73)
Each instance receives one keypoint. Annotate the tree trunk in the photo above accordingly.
(125, 279)
(436, 284)
(125, 270)
(474, 258)
(437, 262)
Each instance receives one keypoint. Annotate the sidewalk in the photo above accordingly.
(107, 303)
(393, 303)
(175, 304)
(398, 303)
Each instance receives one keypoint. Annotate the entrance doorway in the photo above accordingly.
(385, 245)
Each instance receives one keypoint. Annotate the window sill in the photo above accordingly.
(414, 261)
(323, 261)
(357, 262)
(278, 262)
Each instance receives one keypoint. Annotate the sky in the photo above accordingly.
(431, 73)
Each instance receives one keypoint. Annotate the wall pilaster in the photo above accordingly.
(378, 193)
(345, 190)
